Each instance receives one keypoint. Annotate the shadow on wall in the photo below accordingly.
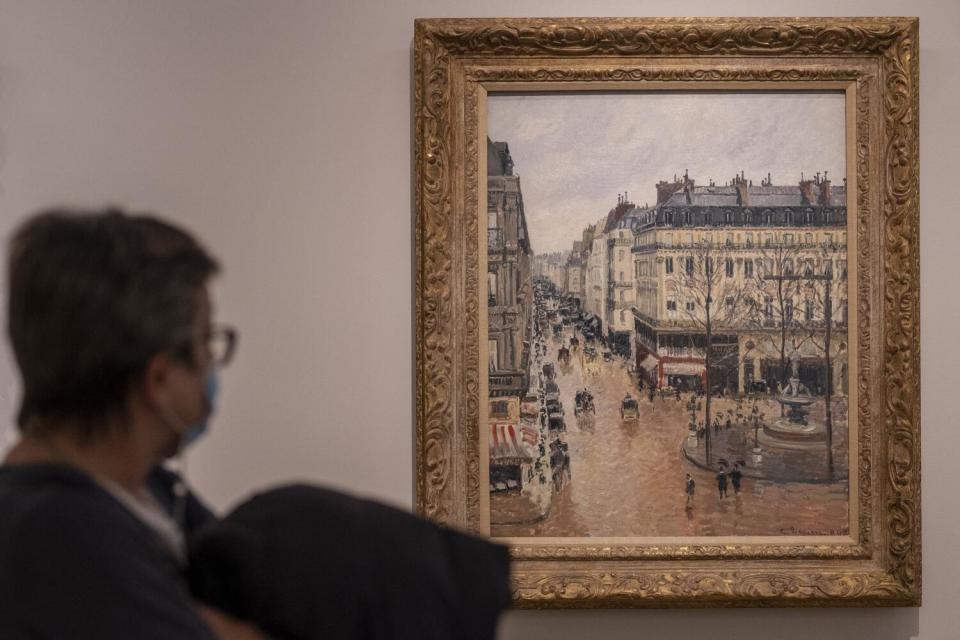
(739, 624)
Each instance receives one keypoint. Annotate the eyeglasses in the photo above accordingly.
(222, 342)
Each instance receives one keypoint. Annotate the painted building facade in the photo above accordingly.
(762, 261)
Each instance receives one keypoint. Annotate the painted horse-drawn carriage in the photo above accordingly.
(584, 403)
(628, 409)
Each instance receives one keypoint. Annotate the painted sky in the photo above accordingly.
(575, 152)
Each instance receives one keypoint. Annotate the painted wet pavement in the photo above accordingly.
(628, 477)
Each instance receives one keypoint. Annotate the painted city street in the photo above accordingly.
(628, 477)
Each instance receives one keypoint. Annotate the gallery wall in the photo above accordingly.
(281, 133)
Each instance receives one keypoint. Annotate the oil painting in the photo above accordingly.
(668, 318)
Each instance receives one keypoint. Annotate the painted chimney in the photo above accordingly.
(666, 189)
(826, 193)
(806, 191)
(688, 186)
(743, 192)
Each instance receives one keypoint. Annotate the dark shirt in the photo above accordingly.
(735, 476)
(75, 563)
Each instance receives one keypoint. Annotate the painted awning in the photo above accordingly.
(529, 434)
(649, 364)
(683, 368)
(504, 448)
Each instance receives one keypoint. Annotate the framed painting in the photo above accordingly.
(667, 311)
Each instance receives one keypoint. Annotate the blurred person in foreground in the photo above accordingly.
(110, 322)
(111, 325)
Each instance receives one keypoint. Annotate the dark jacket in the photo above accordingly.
(75, 563)
(304, 562)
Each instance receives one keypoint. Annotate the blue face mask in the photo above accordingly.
(211, 388)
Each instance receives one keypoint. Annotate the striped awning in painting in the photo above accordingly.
(504, 448)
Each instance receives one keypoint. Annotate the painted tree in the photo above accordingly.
(709, 297)
(772, 309)
(824, 291)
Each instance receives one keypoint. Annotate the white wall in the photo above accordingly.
(281, 133)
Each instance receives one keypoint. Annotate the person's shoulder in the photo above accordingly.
(56, 508)
(62, 517)
(55, 490)
(74, 562)
(59, 526)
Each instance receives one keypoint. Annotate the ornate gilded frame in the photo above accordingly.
(876, 60)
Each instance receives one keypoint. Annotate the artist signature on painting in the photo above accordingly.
(797, 531)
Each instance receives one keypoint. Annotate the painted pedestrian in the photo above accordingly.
(691, 486)
(722, 482)
(735, 476)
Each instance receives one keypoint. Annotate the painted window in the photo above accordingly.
(500, 409)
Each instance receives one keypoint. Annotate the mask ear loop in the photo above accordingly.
(180, 490)
(180, 501)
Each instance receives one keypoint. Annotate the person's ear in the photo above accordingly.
(155, 386)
